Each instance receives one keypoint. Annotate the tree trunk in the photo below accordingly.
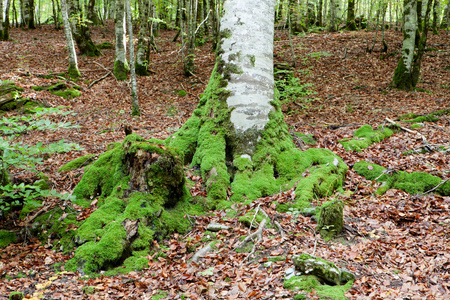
(134, 96)
(28, 14)
(73, 71)
(237, 135)
(333, 11)
(141, 58)
(351, 25)
(121, 67)
(80, 30)
(403, 73)
(92, 13)
(446, 17)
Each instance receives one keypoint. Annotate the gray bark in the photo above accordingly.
(120, 65)
(134, 96)
(73, 65)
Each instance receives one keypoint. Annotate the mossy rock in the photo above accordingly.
(77, 163)
(364, 137)
(16, 296)
(140, 186)
(60, 89)
(331, 219)
(7, 238)
(412, 183)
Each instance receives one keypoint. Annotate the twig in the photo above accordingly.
(100, 79)
(257, 234)
(408, 130)
(347, 77)
(345, 53)
(280, 229)
(197, 77)
(254, 217)
(436, 187)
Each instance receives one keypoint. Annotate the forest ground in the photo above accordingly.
(397, 244)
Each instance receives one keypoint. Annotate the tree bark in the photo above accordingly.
(121, 67)
(134, 96)
(237, 135)
(141, 61)
(351, 25)
(73, 71)
(403, 73)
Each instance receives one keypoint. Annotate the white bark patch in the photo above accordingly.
(250, 49)
(410, 29)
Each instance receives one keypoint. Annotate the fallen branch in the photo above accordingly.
(257, 234)
(280, 229)
(436, 187)
(201, 252)
(315, 238)
(408, 130)
(100, 79)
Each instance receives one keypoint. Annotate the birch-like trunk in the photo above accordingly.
(237, 135)
(403, 73)
(121, 67)
(333, 12)
(141, 61)
(445, 23)
(73, 71)
(1, 21)
(134, 96)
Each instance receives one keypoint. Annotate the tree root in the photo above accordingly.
(201, 252)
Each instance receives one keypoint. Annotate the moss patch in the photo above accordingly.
(412, 183)
(7, 238)
(364, 137)
(331, 219)
(78, 163)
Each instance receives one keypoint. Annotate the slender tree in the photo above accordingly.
(73, 71)
(1, 21)
(134, 95)
(142, 45)
(351, 24)
(121, 67)
(445, 23)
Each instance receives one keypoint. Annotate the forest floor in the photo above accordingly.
(397, 244)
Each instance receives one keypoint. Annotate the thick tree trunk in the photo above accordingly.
(73, 71)
(333, 12)
(237, 135)
(446, 17)
(80, 30)
(403, 73)
(28, 14)
(121, 67)
(92, 14)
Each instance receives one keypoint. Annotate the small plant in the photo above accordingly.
(291, 90)
(27, 157)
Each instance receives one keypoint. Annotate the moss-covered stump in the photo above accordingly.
(9, 95)
(319, 275)
(412, 183)
(366, 136)
(78, 163)
(142, 196)
(331, 219)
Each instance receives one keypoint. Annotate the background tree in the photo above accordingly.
(27, 9)
(142, 44)
(351, 25)
(121, 67)
(92, 13)
(134, 95)
(445, 23)
(73, 71)
(80, 30)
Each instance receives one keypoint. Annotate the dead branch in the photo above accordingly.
(201, 252)
(408, 130)
(6, 99)
(436, 187)
(257, 234)
(280, 229)
(315, 238)
(100, 79)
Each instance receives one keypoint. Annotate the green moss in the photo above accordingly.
(121, 70)
(88, 290)
(105, 45)
(160, 295)
(306, 138)
(250, 219)
(412, 183)
(73, 72)
(331, 219)
(364, 137)
(420, 119)
(417, 126)
(67, 94)
(7, 238)
(16, 296)
(78, 163)
(302, 283)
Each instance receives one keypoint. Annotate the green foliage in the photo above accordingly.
(27, 157)
(6, 238)
(291, 89)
